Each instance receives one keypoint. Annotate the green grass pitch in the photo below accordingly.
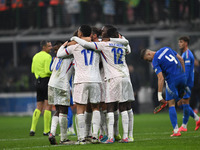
(150, 132)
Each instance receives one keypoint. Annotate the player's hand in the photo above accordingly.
(65, 44)
(120, 36)
(71, 43)
(163, 101)
(162, 105)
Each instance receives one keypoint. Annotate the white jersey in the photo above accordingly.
(62, 70)
(113, 57)
(86, 63)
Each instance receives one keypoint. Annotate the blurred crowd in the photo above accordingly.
(22, 14)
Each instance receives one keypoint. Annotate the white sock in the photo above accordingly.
(196, 117)
(176, 129)
(96, 123)
(101, 132)
(76, 124)
(72, 128)
(184, 125)
(88, 119)
(81, 125)
(104, 123)
(116, 123)
(54, 124)
(125, 122)
(110, 124)
(63, 126)
(131, 122)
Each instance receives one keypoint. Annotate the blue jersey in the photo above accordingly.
(165, 61)
(189, 67)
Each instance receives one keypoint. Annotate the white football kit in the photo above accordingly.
(59, 86)
(87, 77)
(103, 86)
(118, 85)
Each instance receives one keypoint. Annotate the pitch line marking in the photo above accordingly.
(147, 139)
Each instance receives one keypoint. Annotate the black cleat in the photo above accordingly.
(52, 139)
(46, 134)
(67, 142)
(32, 133)
(95, 140)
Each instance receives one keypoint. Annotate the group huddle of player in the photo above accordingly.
(101, 86)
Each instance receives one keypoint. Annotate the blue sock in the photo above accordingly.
(191, 112)
(186, 113)
(70, 117)
(173, 116)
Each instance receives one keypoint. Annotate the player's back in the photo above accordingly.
(114, 62)
(171, 67)
(86, 64)
(62, 70)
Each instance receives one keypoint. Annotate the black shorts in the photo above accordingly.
(42, 89)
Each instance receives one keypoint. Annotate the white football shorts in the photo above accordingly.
(119, 89)
(103, 92)
(87, 92)
(58, 96)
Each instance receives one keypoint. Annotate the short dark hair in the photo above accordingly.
(58, 43)
(108, 26)
(43, 43)
(86, 30)
(96, 31)
(112, 33)
(185, 38)
(142, 53)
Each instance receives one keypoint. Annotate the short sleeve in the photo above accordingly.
(156, 66)
(188, 59)
(174, 52)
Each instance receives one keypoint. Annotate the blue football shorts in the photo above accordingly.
(175, 89)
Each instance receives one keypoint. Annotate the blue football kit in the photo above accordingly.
(165, 61)
(188, 58)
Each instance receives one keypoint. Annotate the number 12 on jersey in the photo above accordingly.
(118, 53)
(88, 55)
